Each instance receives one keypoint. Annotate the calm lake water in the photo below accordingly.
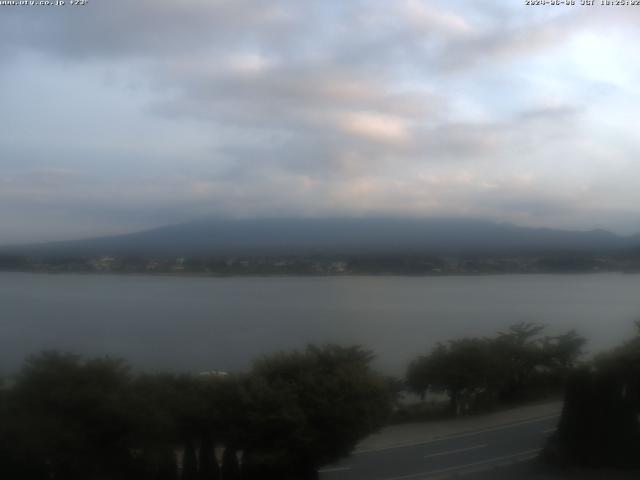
(222, 323)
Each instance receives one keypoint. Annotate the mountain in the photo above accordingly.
(341, 236)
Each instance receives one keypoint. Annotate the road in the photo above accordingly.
(502, 449)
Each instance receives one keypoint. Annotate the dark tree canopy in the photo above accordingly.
(483, 370)
(599, 424)
(310, 408)
(72, 417)
(69, 418)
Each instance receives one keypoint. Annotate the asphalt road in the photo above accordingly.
(502, 450)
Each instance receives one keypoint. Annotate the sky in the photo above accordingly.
(118, 116)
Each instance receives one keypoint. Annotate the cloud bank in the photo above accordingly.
(124, 115)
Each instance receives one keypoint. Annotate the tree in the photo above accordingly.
(560, 355)
(187, 413)
(505, 367)
(311, 408)
(208, 468)
(519, 353)
(72, 416)
(464, 369)
(418, 377)
(230, 465)
(69, 418)
(599, 424)
(190, 461)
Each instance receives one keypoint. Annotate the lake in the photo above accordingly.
(190, 323)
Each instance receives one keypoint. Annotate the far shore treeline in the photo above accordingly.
(327, 264)
(66, 417)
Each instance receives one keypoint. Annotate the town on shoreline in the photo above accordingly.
(324, 264)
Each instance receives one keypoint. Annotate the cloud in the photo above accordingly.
(375, 127)
(122, 28)
(430, 18)
(147, 112)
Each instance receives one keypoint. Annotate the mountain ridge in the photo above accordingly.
(368, 235)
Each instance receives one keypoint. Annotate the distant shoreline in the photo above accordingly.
(338, 265)
(314, 275)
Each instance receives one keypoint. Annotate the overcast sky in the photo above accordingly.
(122, 115)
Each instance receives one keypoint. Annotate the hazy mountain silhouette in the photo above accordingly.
(340, 235)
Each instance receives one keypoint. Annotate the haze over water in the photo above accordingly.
(223, 323)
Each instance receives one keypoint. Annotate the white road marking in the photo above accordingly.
(459, 435)
(449, 452)
(334, 469)
(520, 456)
(549, 430)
